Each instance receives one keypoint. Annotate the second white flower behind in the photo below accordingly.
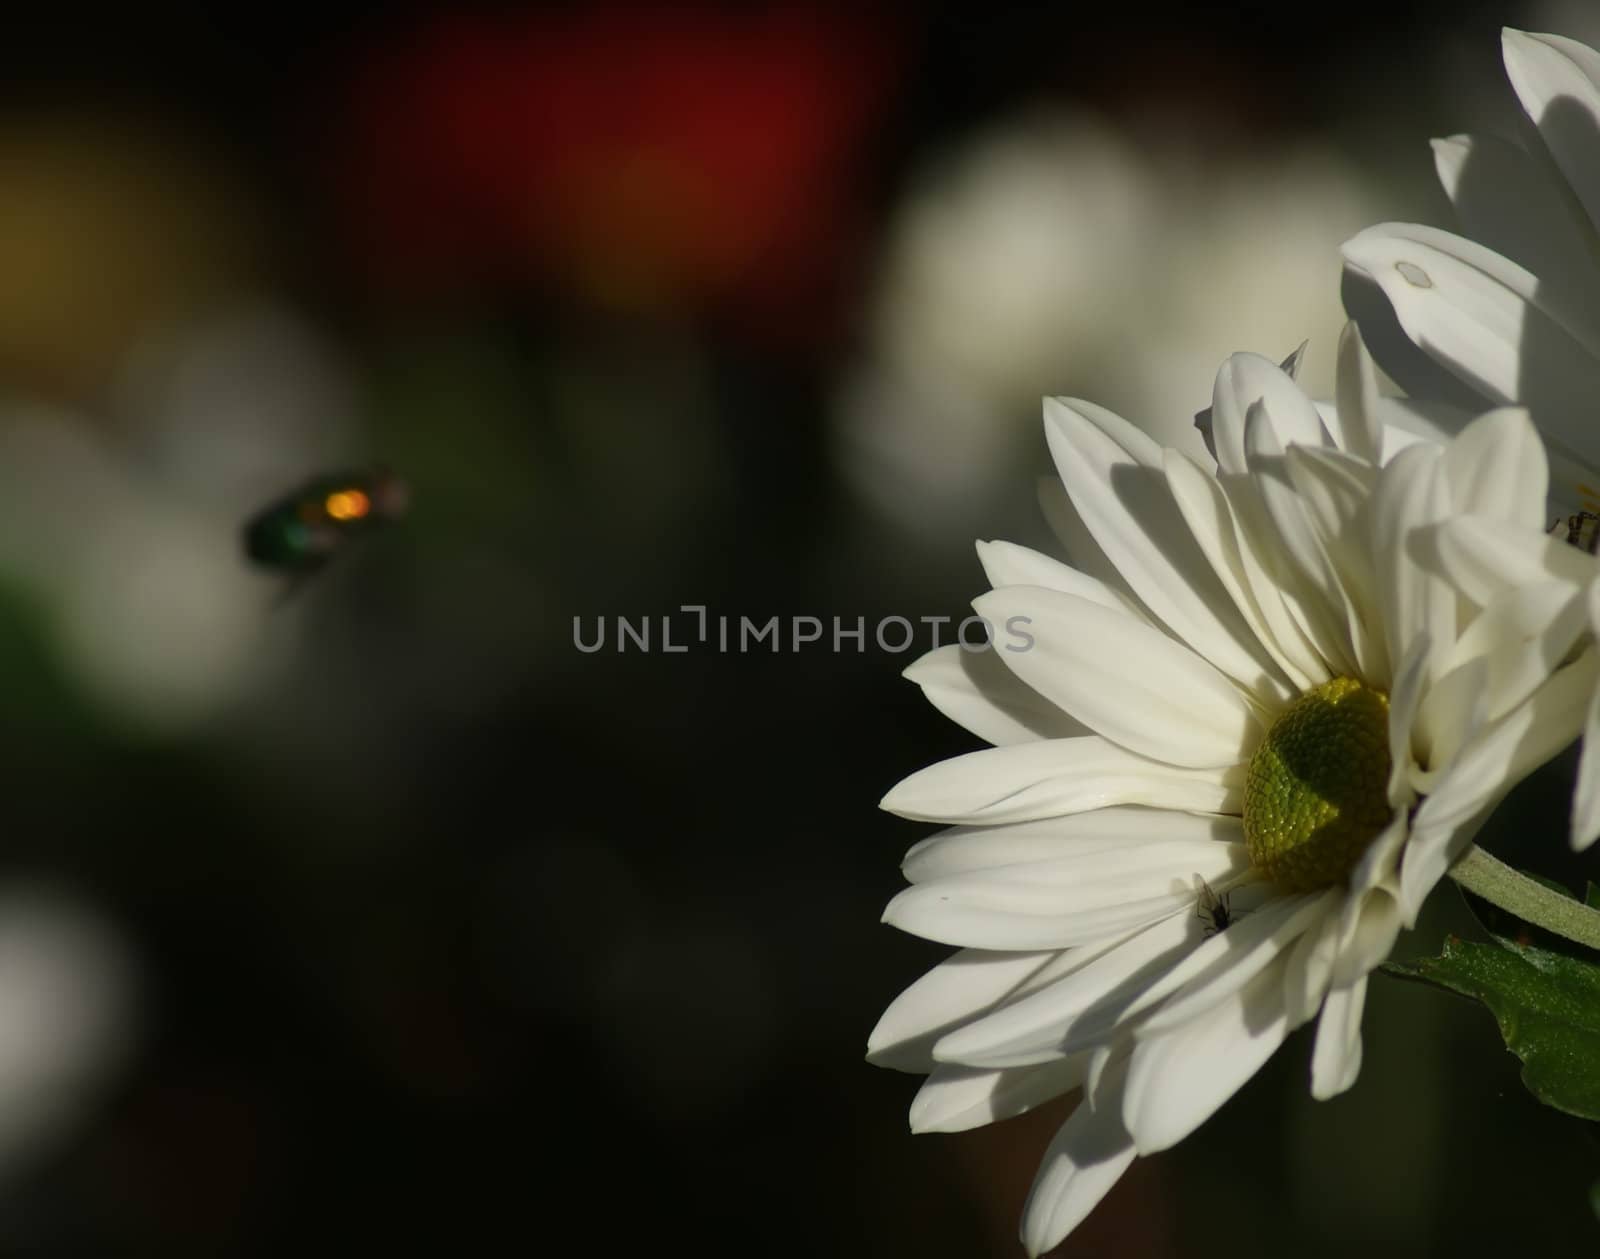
(1250, 734)
(1510, 309)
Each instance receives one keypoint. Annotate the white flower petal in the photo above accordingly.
(1356, 388)
(1007, 564)
(1552, 617)
(1430, 853)
(1379, 865)
(1133, 441)
(1335, 488)
(1246, 379)
(1336, 1059)
(1101, 1058)
(1129, 510)
(1227, 422)
(962, 987)
(1452, 710)
(1125, 679)
(1369, 923)
(1524, 738)
(1258, 381)
(1497, 467)
(1509, 200)
(1586, 796)
(1499, 757)
(1226, 962)
(1470, 318)
(956, 1099)
(1053, 778)
(1517, 616)
(1307, 574)
(1074, 1010)
(1558, 82)
(1410, 493)
(1405, 698)
(989, 916)
(1409, 366)
(1054, 904)
(1307, 968)
(963, 849)
(1497, 297)
(1209, 516)
(1088, 1156)
(1080, 868)
(1081, 549)
(1490, 322)
(1285, 586)
(1176, 1082)
(1481, 557)
(1335, 491)
(977, 692)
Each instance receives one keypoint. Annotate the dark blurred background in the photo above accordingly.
(368, 909)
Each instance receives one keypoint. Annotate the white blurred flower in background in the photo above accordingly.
(235, 406)
(1021, 248)
(124, 529)
(67, 1017)
(1057, 254)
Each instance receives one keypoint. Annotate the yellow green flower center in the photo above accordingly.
(1316, 793)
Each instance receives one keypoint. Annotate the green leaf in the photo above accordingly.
(1591, 895)
(1547, 1005)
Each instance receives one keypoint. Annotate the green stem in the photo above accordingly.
(1528, 899)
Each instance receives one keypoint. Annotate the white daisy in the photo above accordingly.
(1512, 310)
(1251, 733)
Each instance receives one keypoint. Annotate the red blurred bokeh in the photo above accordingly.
(632, 158)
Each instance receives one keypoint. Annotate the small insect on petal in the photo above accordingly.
(1212, 909)
(1581, 530)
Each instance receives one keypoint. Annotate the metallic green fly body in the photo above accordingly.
(301, 531)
